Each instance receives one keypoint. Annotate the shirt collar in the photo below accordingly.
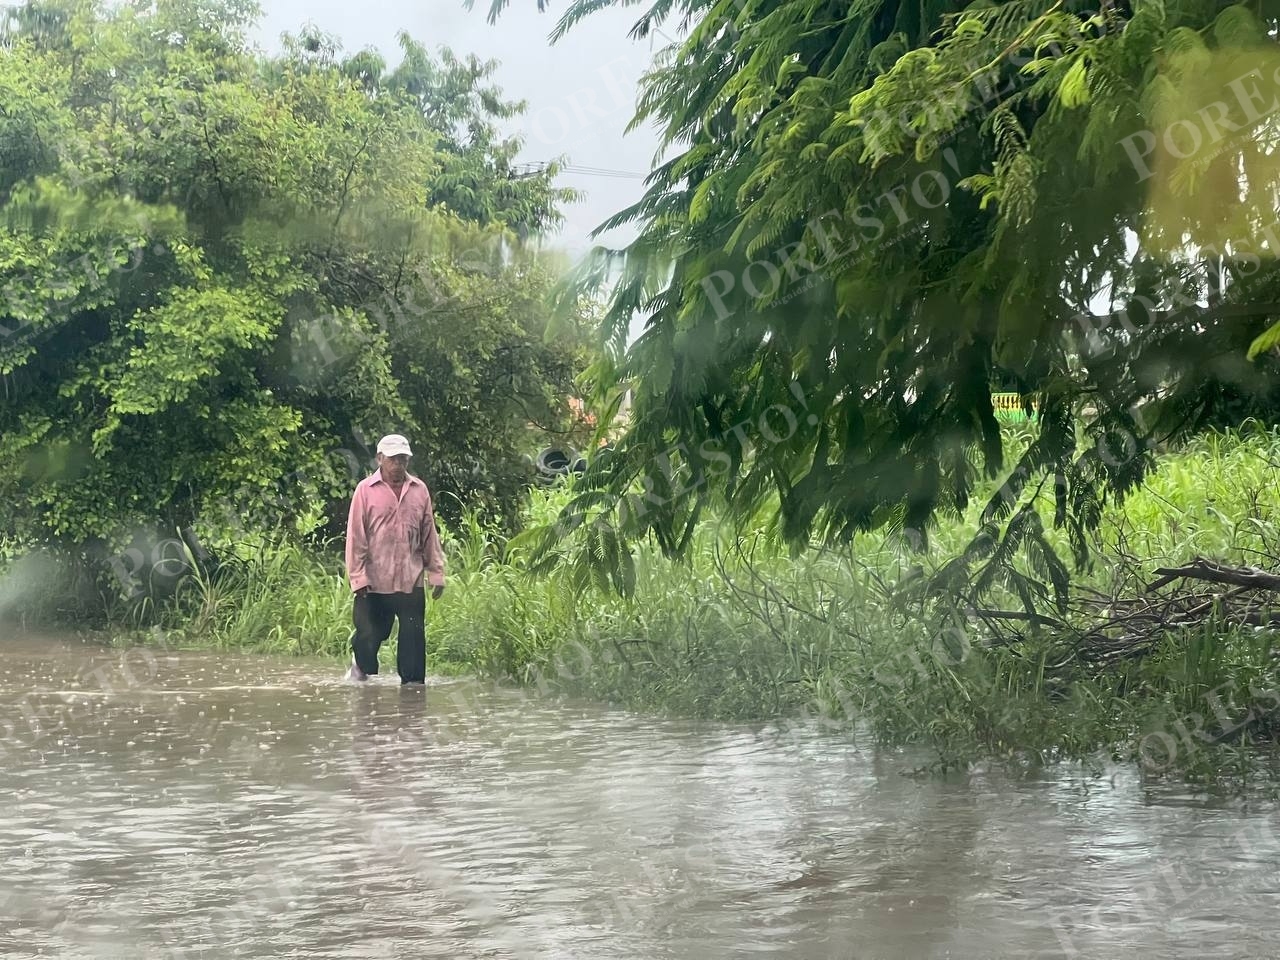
(376, 477)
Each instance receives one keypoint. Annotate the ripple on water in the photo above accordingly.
(247, 807)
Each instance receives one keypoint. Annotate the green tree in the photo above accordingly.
(219, 273)
(869, 215)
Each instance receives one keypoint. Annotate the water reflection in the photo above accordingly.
(387, 727)
(222, 806)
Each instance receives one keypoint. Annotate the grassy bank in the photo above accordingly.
(746, 632)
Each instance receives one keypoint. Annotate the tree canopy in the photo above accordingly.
(223, 275)
(869, 216)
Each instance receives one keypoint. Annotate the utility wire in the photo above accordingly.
(522, 170)
(602, 172)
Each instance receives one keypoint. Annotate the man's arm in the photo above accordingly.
(357, 543)
(432, 551)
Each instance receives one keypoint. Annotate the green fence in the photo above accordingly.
(1009, 407)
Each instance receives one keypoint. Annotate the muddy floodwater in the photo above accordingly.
(219, 805)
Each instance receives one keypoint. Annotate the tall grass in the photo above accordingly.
(744, 631)
(280, 599)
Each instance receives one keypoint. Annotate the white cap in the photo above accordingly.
(393, 445)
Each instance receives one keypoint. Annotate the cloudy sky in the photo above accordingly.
(580, 93)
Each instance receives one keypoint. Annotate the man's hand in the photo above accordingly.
(363, 591)
(436, 592)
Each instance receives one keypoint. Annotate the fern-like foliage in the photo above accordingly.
(873, 213)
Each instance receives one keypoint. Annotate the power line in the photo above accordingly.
(602, 172)
(521, 171)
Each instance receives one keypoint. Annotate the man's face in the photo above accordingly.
(394, 468)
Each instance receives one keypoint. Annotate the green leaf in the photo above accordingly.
(1073, 91)
(1269, 339)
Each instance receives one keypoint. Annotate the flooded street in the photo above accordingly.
(220, 805)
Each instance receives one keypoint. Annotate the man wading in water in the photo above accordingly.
(391, 542)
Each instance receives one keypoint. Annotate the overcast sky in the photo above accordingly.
(580, 93)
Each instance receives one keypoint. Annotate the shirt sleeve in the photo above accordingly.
(357, 543)
(432, 551)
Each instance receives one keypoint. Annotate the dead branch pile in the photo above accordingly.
(1106, 628)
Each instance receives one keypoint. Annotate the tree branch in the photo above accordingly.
(1201, 569)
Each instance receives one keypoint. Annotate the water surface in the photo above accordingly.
(219, 805)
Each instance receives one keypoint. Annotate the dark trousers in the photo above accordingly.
(373, 615)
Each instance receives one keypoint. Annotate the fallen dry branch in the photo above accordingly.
(1250, 578)
(1127, 627)
(1106, 628)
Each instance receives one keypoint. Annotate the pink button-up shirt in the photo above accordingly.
(391, 542)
